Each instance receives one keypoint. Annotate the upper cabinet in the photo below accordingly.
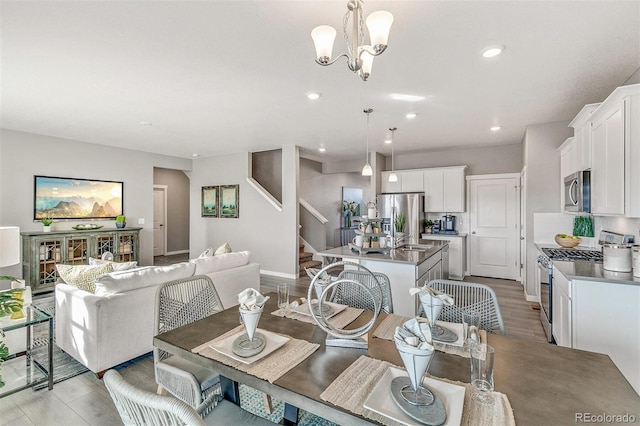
(581, 125)
(568, 157)
(615, 154)
(443, 187)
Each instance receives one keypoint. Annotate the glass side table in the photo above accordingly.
(21, 371)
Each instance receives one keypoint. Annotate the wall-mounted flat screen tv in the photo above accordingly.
(72, 198)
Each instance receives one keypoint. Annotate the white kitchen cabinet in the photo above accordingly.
(567, 158)
(457, 253)
(412, 181)
(615, 149)
(605, 318)
(390, 187)
(561, 310)
(444, 189)
(581, 125)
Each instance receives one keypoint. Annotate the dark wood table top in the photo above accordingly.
(545, 384)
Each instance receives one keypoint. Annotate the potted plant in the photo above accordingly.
(428, 226)
(121, 221)
(46, 223)
(400, 223)
(10, 302)
(375, 227)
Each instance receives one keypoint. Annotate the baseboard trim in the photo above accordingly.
(278, 274)
(173, 253)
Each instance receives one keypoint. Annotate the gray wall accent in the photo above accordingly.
(267, 171)
(633, 79)
(270, 235)
(312, 230)
(23, 155)
(542, 161)
(481, 160)
(324, 193)
(177, 220)
(347, 166)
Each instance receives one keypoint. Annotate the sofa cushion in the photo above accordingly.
(83, 276)
(118, 282)
(117, 266)
(206, 265)
(223, 249)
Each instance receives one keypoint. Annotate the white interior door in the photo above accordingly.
(159, 216)
(494, 234)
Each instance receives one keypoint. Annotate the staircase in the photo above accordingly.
(305, 260)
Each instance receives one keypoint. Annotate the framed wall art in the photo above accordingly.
(73, 198)
(210, 201)
(229, 199)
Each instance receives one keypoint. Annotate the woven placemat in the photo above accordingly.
(352, 388)
(340, 320)
(387, 328)
(271, 367)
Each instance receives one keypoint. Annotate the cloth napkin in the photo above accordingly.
(436, 294)
(414, 333)
(251, 299)
(323, 279)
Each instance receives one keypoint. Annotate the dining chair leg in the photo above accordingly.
(230, 390)
(290, 415)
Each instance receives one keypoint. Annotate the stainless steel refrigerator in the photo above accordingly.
(411, 205)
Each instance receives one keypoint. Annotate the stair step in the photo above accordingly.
(310, 264)
(301, 247)
(304, 254)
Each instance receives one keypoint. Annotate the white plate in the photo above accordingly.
(274, 341)
(457, 328)
(381, 401)
(303, 309)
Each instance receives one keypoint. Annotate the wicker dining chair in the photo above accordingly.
(354, 296)
(179, 303)
(139, 407)
(471, 297)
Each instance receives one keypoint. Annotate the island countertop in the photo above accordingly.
(430, 247)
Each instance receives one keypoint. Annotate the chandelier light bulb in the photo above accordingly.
(323, 37)
(367, 64)
(367, 170)
(379, 25)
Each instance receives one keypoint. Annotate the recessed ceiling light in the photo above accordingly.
(412, 115)
(322, 149)
(195, 155)
(408, 98)
(314, 95)
(146, 123)
(495, 128)
(493, 50)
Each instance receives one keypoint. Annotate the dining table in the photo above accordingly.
(544, 383)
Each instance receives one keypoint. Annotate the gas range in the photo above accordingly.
(572, 254)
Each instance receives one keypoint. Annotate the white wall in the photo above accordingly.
(23, 155)
(270, 235)
(543, 181)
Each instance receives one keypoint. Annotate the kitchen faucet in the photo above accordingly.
(397, 240)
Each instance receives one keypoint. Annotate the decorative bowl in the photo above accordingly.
(567, 242)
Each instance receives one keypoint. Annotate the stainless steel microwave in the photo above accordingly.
(577, 192)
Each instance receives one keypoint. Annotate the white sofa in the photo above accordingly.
(115, 324)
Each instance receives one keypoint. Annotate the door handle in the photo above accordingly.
(473, 232)
(161, 225)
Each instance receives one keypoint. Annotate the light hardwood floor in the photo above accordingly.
(84, 400)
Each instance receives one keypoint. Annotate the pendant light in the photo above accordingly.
(367, 170)
(393, 177)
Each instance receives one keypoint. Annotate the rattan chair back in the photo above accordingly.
(471, 297)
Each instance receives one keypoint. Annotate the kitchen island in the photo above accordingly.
(406, 267)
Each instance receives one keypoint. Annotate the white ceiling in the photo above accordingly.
(228, 76)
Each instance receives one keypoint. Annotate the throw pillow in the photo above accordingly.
(83, 276)
(223, 249)
(207, 253)
(117, 266)
(146, 276)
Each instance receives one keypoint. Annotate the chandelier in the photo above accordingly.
(360, 55)
(367, 170)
